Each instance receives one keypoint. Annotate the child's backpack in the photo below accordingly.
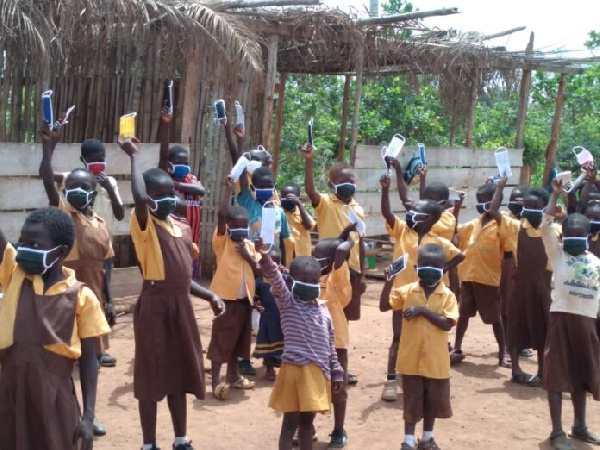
(412, 169)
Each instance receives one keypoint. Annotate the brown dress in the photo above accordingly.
(528, 305)
(38, 405)
(168, 352)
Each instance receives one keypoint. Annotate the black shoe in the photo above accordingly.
(105, 360)
(352, 379)
(186, 446)
(99, 428)
(245, 368)
(339, 439)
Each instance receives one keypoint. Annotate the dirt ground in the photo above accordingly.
(489, 411)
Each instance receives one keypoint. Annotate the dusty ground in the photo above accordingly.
(489, 411)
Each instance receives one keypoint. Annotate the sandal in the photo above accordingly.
(456, 357)
(559, 441)
(222, 391)
(352, 379)
(428, 445)
(526, 353)
(584, 434)
(526, 380)
(405, 446)
(505, 362)
(243, 383)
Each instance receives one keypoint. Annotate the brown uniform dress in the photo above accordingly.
(168, 352)
(528, 306)
(38, 405)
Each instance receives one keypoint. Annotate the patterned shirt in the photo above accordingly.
(307, 328)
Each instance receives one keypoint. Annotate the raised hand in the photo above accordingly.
(308, 151)
(384, 181)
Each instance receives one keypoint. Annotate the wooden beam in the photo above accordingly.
(191, 97)
(357, 96)
(522, 113)
(554, 134)
(266, 3)
(344, 125)
(472, 107)
(389, 20)
(279, 121)
(502, 33)
(267, 124)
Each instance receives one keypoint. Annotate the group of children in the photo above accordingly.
(499, 265)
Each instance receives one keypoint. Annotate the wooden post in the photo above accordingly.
(279, 121)
(551, 148)
(344, 126)
(472, 106)
(357, 95)
(191, 96)
(267, 124)
(522, 114)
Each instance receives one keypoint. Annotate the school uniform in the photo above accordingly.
(507, 268)
(572, 351)
(193, 214)
(168, 351)
(301, 242)
(423, 359)
(446, 226)
(40, 340)
(234, 282)
(332, 218)
(269, 341)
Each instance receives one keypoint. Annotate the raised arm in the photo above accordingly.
(549, 238)
(386, 209)
(49, 140)
(422, 181)
(309, 182)
(164, 127)
(224, 206)
(591, 174)
(138, 187)
(307, 221)
(195, 188)
(281, 293)
(115, 201)
(573, 205)
(231, 146)
(557, 189)
(494, 210)
(402, 191)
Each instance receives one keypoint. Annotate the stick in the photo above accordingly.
(263, 3)
(406, 16)
(503, 33)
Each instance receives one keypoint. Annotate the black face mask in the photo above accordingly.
(575, 246)
(533, 216)
(515, 208)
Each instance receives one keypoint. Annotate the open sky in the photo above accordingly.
(557, 24)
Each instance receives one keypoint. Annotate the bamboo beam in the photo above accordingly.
(472, 107)
(522, 114)
(279, 121)
(267, 124)
(357, 95)
(554, 134)
(191, 94)
(344, 126)
(266, 3)
(389, 20)
(503, 33)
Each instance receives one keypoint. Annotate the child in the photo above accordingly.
(310, 370)
(337, 292)
(176, 162)
(234, 282)
(430, 311)
(572, 351)
(269, 342)
(480, 272)
(48, 321)
(408, 236)
(529, 301)
(168, 351)
(300, 222)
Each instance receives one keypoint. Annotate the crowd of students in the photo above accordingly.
(57, 307)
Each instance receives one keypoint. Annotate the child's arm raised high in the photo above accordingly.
(402, 191)
(49, 139)
(164, 127)
(309, 182)
(494, 210)
(386, 209)
(138, 187)
(281, 293)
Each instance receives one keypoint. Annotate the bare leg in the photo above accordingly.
(148, 421)
(178, 408)
(500, 339)
(232, 370)
(579, 405)
(288, 428)
(540, 363)
(555, 403)
(216, 374)
(340, 400)
(428, 423)
(516, 367)
(305, 430)
(461, 329)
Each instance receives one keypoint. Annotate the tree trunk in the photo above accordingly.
(522, 114)
(472, 106)
(357, 95)
(279, 121)
(554, 134)
(452, 130)
(267, 124)
(344, 126)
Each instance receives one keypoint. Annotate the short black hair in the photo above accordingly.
(540, 193)
(292, 186)
(177, 150)
(488, 190)
(576, 220)
(305, 264)
(338, 166)
(432, 208)
(92, 147)
(518, 190)
(432, 250)
(156, 176)
(237, 212)
(86, 172)
(57, 223)
(262, 173)
(437, 190)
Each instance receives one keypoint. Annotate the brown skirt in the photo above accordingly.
(231, 335)
(168, 352)
(38, 405)
(572, 354)
(482, 298)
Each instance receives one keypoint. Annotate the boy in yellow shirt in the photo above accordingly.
(299, 221)
(429, 311)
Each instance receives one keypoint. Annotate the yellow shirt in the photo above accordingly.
(511, 227)
(337, 292)
(300, 244)
(331, 220)
(423, 347)
(484, 253)
(406, 241)
(89, 319)
(446, 226)
(232, 269)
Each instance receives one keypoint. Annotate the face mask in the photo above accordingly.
(515, 208)
(595, 226)
(575, 246)
(238, 234)
(534, 216)
(95, 167)
(252, 166)
(288, 205)
(164, 207)
(264, 195)
(306, 291)
(414, 218)
(79, 198)
(33, 261)
(345, 190)
(180, 171)
(430, 276)
(483, 207)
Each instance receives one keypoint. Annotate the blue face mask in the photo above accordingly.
(264, 195)
(238, 234)
(181, 171)
(430, 276)
(575, 246)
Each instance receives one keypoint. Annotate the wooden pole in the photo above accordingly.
(357, 95)
(267, 124)
(344, 125)
(279, 121)
(452, 130)
(554, 134)
(472, 107)
(388, 20)
(522, 114)
(502, 33)
(265, 3)
(191, 96)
